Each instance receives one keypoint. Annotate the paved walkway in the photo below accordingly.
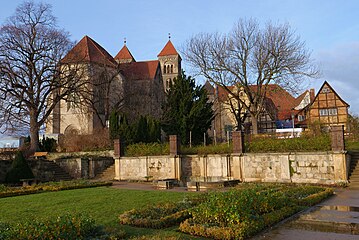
(148, 186)
(335, 218)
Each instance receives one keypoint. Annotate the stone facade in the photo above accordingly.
(121, 83)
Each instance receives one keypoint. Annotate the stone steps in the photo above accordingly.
(354, 171)
(107, 175)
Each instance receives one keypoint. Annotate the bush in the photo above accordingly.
(147, 149)
(19, 169)
(48, 145)
(49, 187)
(209, 149)
(63, 227)
(303, 143)
(98, 141)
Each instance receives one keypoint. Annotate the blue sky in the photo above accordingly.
(330, 28)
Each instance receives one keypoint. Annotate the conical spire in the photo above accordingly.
(169, 49)
(124, 55)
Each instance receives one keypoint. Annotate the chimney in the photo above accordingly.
(312, 94)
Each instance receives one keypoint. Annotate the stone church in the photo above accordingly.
(120, 82)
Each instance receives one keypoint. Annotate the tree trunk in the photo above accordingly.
(34, 133)
(254, 121)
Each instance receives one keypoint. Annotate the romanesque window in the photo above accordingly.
(164, 69)
(171, 68)
(168, 83)
(168, 68)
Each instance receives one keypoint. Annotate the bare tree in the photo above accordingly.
(248, 59)
(32, 83)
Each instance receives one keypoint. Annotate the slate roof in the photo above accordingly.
(168, 49)
(124, 53)
(145, 70)
(89, 51)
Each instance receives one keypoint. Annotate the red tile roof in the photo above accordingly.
(124, 53)
(282, 100)
(140, 70)
(169, 49)
(275, 95)
(87, 50)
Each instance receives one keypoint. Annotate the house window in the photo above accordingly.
(328, 112)
(326, 90)
(301, 117)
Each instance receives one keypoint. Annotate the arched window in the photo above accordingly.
(164, 69)
(168, 68)
(168, 83)
(171, 68)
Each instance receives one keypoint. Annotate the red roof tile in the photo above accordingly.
(87, 50)
(169, 49)
(124, 53)
(140, 70)
(280, 98)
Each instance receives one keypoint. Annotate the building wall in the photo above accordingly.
(173, 63)
(74, 115)
(328, 100)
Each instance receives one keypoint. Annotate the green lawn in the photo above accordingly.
(104, 204)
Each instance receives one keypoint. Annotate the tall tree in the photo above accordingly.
(248, 59)
(31, 81)
(186, 110)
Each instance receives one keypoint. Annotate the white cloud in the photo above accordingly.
(340, 67)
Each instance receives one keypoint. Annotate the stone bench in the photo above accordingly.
(28, 181)
(166, 184)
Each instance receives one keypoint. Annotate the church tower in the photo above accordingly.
(170, 62)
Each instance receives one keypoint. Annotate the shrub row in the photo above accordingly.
(147, 149)
(304, 143)
(49, 187)
(63, 227)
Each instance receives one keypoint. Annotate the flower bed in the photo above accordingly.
(159, 216)
(235, 214)
(49, 187)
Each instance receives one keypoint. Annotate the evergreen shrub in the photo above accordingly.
(19, 169)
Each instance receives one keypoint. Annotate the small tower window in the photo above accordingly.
(168, 68)
(164, 69)
(171, 68)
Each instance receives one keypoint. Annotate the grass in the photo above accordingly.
(103, 204)
(352, 145)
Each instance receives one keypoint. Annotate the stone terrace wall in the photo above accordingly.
(137, 168)
(310, 167)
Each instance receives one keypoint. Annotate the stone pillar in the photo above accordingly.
(174, 145)
(238, 142)
(337, 138)
(117, 169)
(117, 148)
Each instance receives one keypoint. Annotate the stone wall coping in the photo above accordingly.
(63, 155)
(292, 153)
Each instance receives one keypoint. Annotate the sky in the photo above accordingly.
(330, 28)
